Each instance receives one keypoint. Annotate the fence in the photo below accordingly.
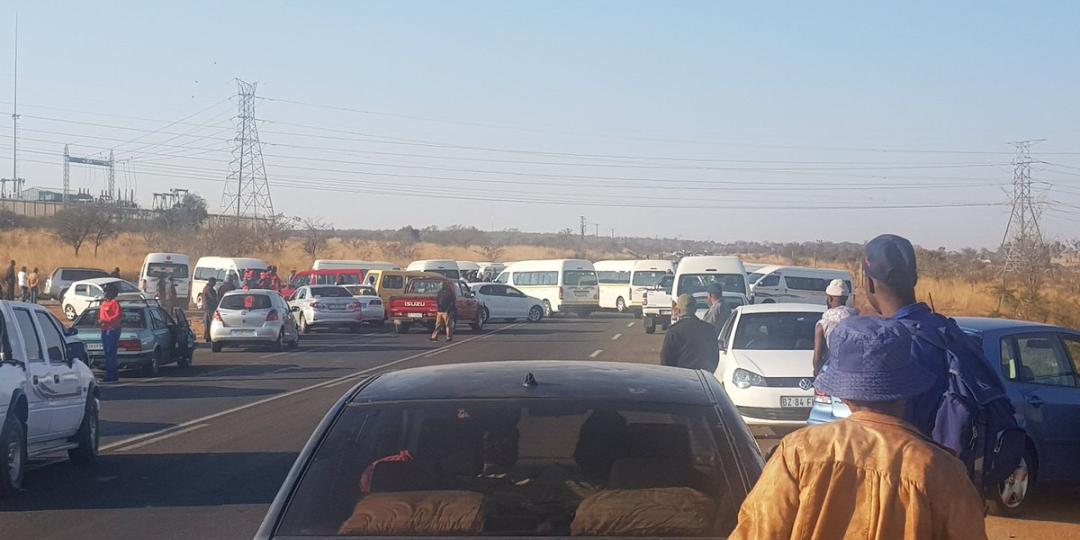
(44, 209)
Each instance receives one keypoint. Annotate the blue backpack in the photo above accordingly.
(975, 418)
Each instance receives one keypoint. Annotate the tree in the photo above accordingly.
(315, 233)
(407, 235)
(75, 224)
(276, 231)
(108, 227)
(190, 212)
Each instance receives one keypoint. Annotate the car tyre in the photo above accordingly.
(279, 344)
(536, 314)
(478, 324)
(485, 315)
(13, 450)
(198, 301)
(401, 328)
(88, 435)
(650, 325)
(304, 328)
(215, 346)
(547, 308)
(69, 312)
(154, 366)
(620, 305)
(1011, 497)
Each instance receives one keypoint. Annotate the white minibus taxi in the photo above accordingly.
(221, 268)
(563, 285)
(162, 266)
(469, 270)
(623, 282)
(776, 284)
(694, 274)
(354, 264)
(444, 267)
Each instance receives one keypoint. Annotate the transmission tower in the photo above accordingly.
(1025, 252)
(247, 192)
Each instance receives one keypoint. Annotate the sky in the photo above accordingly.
(768, 121)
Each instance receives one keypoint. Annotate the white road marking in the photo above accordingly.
(434, 353)
(153, 440)
(596, 353)
(630, 325)
(139, 381)
(615, 337)
(183, 425)
(275, 354)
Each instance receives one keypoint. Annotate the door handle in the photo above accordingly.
(1035, 401)
(35, 380)
(56, 379)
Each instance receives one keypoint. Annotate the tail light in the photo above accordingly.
(821, 397)
(355, 306)
(272, 316)
(562, 292)
(130, 345)
(316, 305)
(217, 316)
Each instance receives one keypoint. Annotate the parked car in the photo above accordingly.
(419, 304)
(656, 305)
(525, 449)
(1039, 365)
(332, 276)
(325, 306)
(149, 336)
(253, 317)
(766, 362)
(370, 303)
(81, 294)
(391, 283)
(500, 301)
(564, 285)
(48, 395)
(61, 278)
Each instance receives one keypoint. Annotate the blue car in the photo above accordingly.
(1040, 367)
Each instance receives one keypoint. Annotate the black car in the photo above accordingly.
(523, 449)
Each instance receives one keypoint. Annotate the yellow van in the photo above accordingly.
(390, 283)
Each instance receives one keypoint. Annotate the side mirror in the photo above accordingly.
(71, 331)
(76, 350)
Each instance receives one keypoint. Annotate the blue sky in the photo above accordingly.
(753, 121)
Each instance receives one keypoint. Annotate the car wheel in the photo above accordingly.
(620, 305)
(650, 325)
(279, 344)
(1011, 496)
(401, 328)
(198, 302)
(478, 324)
(13, 448)
(485, 314)
(536, 314)
(69, 312)
(215, 346)
(154, 367)
(547, 308)
(87, 436)
(304, 328)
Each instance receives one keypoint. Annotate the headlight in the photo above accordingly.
(745, 379)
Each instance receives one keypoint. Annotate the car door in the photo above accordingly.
(39, 406)
(1051, 390)
(492, 301)
(517, 303)
(159, 326)
(78, 297)
(466, 302)
(62, 379)
(288, 322)
(183, 338)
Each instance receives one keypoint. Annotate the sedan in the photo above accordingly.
(506, 302)
(149, 336)
(253, 317)
(522, 449)
(371, 304)
(766, 362)
(81, 294)
(325, 306)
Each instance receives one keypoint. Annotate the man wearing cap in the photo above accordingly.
(872, 475)
(836, 297)
(718, 312)
(690, 342)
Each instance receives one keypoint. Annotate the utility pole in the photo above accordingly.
(1025, 252)
(597, 233)
(16, 182)
(583, 227)
(246, 188)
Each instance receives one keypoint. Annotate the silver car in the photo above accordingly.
(326, 306)
(253, 317)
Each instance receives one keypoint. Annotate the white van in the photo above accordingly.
(775, 284)
(623, 282)
(447, 268)
(561, 284)
(354, 264)
(220, 268)
(158, 266)
(694, 275)
(490, 270)
(470, 271)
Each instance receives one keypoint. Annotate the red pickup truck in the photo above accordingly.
(419, 304)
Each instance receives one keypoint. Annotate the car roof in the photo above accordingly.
(782, 308)
(555, 379)
(990, 324)
(99, 280)
(249, 291)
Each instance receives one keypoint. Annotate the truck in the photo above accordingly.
(48, 396)
(419, 304)
(656, 305)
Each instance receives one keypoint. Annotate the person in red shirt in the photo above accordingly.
(109, 316)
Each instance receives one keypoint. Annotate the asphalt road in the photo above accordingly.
(200, 453)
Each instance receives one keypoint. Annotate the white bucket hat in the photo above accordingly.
(837, 287)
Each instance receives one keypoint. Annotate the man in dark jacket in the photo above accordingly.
(690, 342)
(9, 282)
(210, 305)
(446, 310)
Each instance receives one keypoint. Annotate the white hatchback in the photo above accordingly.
(81, 294)
(506, 302)
(766, 362)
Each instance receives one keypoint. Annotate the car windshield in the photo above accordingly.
(123, 287)
(647, 278)
(129, 318)
(330, 292)
(695, 283)
(574, 278)
(424, 286)
(753, 277)
(792, 331)
(245, 301)
(167, 270)
(517, 468)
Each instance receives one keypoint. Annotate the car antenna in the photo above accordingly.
(530, 381)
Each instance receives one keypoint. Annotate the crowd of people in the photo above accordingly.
(20, 284)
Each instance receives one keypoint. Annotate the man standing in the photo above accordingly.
(447, 309)
(292, 276)
(229, 285)
(34, 283)
(718, 311)
(872, 475)
(210, 305)
(690, 342)
(9, 281)
(836, 297)
(170, 296)
(109, 317)
(24, 289)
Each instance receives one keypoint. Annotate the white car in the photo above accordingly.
(325, 306)
(372, 306)
(253, 317)
(766, 362)
(81, 294)
(61, 278)
(506, 302)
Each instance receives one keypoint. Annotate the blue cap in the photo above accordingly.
(870, 360)
(890, 259)
(715, 289)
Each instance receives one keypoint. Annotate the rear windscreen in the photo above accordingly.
(79, 275)
(330, 292)
(245, 301)
(575, 278)
(167, 270)
(424, 286)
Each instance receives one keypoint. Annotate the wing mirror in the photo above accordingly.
(71, 331)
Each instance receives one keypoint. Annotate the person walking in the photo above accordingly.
(109, 316)
(447, 310)
(719, 312)
(836, 297)
(690, 342)
(870, 476)
(33, 281)
(9, 281)
(210, 305)
(24, 288)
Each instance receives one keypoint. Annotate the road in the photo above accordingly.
(200, 453)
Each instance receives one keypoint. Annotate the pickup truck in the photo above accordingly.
(48, 397)
(419, 304)
(656, 305)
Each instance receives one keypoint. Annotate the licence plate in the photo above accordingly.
(581, 294)
(243, 332)
(416, 315)
(94, 347)
(799, 402)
